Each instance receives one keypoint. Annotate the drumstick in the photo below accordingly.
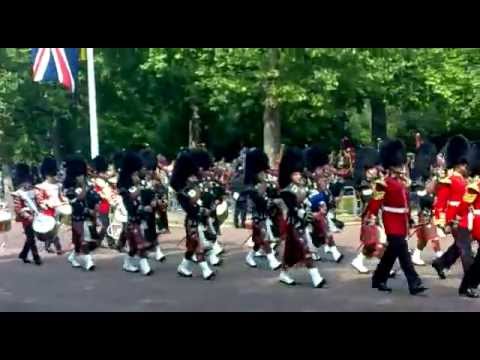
(182, 240)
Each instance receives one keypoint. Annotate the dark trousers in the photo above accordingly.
(461, 248)
(163, 221)
(78, 238)
(56, 242)
(471, 278)
(397, 248)
(30, 244)
(105, 221)
(240, 212)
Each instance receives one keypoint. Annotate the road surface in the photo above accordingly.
(55, 286)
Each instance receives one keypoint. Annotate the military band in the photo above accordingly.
(122, 204)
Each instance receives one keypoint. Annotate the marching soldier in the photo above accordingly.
(186, 180)
(129, 188)
(84, 201)
(470, 208)
(449, 194)
(49, 198)
(320, 200)
(372, 237)
(299, 215)
(23, 200)
(106, 194)
(256, 164)
(424, 186)
(391, 197)
(151, 201)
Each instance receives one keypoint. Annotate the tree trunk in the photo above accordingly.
(271, 132)
(194, 128)
(379, 120)
(271, 115)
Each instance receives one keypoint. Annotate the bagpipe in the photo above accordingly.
(214, 199)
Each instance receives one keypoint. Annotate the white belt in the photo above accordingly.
(454, 203)
(395, 210)
(476, 212)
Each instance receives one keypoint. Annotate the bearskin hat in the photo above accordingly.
(131, 163)
(184, 168)
(256, 161)
(118, 159)
(74, 166)
(367, 158)
(148, 158)
(457, 151)
(316, 156)
(22, 174)
(392, 154)
(49, 167)
(100, 164)
(425, 158)
(201, 158)
(474, 158)
(292, 161)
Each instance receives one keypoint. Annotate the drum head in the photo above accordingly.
(222, 208)
(43, 224)
(65, 210)
(5, 216)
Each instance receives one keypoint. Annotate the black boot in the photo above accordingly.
(469, 292)
(439, 269)
(58, 246)
(417, 287)
(381, 286)
(24, 258)
(37, 260)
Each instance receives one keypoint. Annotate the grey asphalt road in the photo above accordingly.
(55, 286)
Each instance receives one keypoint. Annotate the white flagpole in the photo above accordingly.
(92, 102)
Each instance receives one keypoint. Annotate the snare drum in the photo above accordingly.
(222, 212)
(44, 226)
(5, 221)
(64, 214)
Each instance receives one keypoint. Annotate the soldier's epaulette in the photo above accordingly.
(473, 186)
(380, 183)
(469, 197)
(378, 195)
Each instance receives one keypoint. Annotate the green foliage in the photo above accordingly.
(145, 95)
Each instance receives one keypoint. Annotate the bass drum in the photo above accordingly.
(44, 227)
(5, 221)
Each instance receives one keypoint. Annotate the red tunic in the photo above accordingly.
(442, 192)
(99, 186)
(391, 196)
(471, 203)
(45, 194)
(22, 211)
(458, 187)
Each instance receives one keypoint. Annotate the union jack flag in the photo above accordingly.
(56, 64)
